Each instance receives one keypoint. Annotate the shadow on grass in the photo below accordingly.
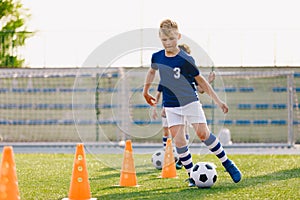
(274, 176)
(116, 173)
(173, 192)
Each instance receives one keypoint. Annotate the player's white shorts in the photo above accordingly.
(192, 112)
(165, 122)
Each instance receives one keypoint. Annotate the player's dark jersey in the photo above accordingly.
(177, 81)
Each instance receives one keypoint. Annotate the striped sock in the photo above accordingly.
(215, 146)
(164, 141)
(185, 158)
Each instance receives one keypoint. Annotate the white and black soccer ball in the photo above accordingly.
(204, 174)
(158, 158)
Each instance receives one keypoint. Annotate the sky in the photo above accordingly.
(231, 32)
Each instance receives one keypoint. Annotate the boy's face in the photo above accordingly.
(169, 41)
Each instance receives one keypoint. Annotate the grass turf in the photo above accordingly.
(47, 176)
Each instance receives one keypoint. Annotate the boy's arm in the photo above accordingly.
(154, 112)
(211, 78)
(149, 79)
(157, 96)
(208, 89)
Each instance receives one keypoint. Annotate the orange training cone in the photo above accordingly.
(169, 168)
(128, 174)
(79, 187)
(8, 176)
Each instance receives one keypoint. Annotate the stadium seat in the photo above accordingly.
(19, 90)
(279, 89)
(297, 75)
(144, 122)
(260, 122)
(278, 122)
(141, 106)
(3, 90)
(246, 89)
(226, 122)
(244, 106)
(279, 106)
(46, 90)
(230, 89)
(262, 106)
(243, 122)
(4, 122)
(34, 90)
(208, 106)
(209, 121)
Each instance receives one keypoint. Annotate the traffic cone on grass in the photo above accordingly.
(79, 187)
(128, 174)
(169, 167)
(8, 177)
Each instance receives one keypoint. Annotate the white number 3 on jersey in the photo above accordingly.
(176, 72)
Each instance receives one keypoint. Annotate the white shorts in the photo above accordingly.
(165, 122)
(192, 112)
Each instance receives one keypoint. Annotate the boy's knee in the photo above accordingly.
(203, 135)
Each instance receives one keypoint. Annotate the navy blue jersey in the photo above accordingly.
(177, 81)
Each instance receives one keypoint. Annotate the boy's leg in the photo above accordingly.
(165, 131)
(176, 127)
(187, 136)
(182, 149)
(216, 147)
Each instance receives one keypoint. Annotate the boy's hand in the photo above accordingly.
(154, 113)
(150, 99)
(224, 107)
(211, 77)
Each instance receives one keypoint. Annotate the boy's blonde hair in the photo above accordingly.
(185, 48)
(167, 26)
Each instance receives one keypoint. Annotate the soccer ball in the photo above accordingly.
(204, 174)
(158, 158)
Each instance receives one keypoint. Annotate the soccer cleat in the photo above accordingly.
(191, 182)
(232, 169)
(179, 165)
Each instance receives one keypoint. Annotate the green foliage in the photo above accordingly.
(48, 176)
(13, 33)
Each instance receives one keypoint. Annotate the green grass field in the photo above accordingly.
(47, 177)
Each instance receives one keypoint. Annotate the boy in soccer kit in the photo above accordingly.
(178, 72)
(165, 136)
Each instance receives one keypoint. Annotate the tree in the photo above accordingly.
(13, 32)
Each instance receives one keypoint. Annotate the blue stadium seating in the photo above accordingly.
(279, 89)
(260, 122)
(297, 75)
(279, 106)
(243, 122)
(246, 89)
(230, 89)
(244, 106)
(262, 106)
(209, 106)
(279, 122)
(226, 122)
